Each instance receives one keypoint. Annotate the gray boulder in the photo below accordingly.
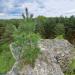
(51, 61)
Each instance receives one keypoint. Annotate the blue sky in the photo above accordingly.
(14, 8)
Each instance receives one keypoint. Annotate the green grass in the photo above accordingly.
(60, 37)
(73, 64)
(6, 59)
(71, 67)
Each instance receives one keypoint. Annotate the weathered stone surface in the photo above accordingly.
(14, 70)
(53, 55)
(16, 51)
(43, 66)
(61, 50)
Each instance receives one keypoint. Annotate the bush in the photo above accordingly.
(27, 40)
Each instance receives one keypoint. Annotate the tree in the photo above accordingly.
(59, 29)
(26, 43)
(70, 29)
(45, 27)
(49, 28)
(27, 13)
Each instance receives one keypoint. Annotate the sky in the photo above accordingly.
(14, 8)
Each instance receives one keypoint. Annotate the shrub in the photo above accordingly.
(27, 40)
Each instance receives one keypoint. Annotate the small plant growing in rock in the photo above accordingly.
(26, 43)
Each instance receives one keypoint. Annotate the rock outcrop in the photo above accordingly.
(51, 61)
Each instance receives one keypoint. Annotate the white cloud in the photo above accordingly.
(70, 11)
(42, 7)
(10, 16)
(2, 14)
(50, 7)
(57, 7)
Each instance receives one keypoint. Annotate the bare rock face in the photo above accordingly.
(61, 50)
(43, 66)
(51, 61)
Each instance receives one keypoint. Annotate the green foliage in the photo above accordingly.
(9, 31)
(21, 31)
(60, 37)
(27, 40)
(23, 35)
(70, 29)
(49, 28)
(26, 26)
(45, 27)
(6, 59)
(59, 29)
(71, 69)
(30, 49)
(55, 26)
(39, 28)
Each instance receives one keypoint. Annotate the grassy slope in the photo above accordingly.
(6, 59)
